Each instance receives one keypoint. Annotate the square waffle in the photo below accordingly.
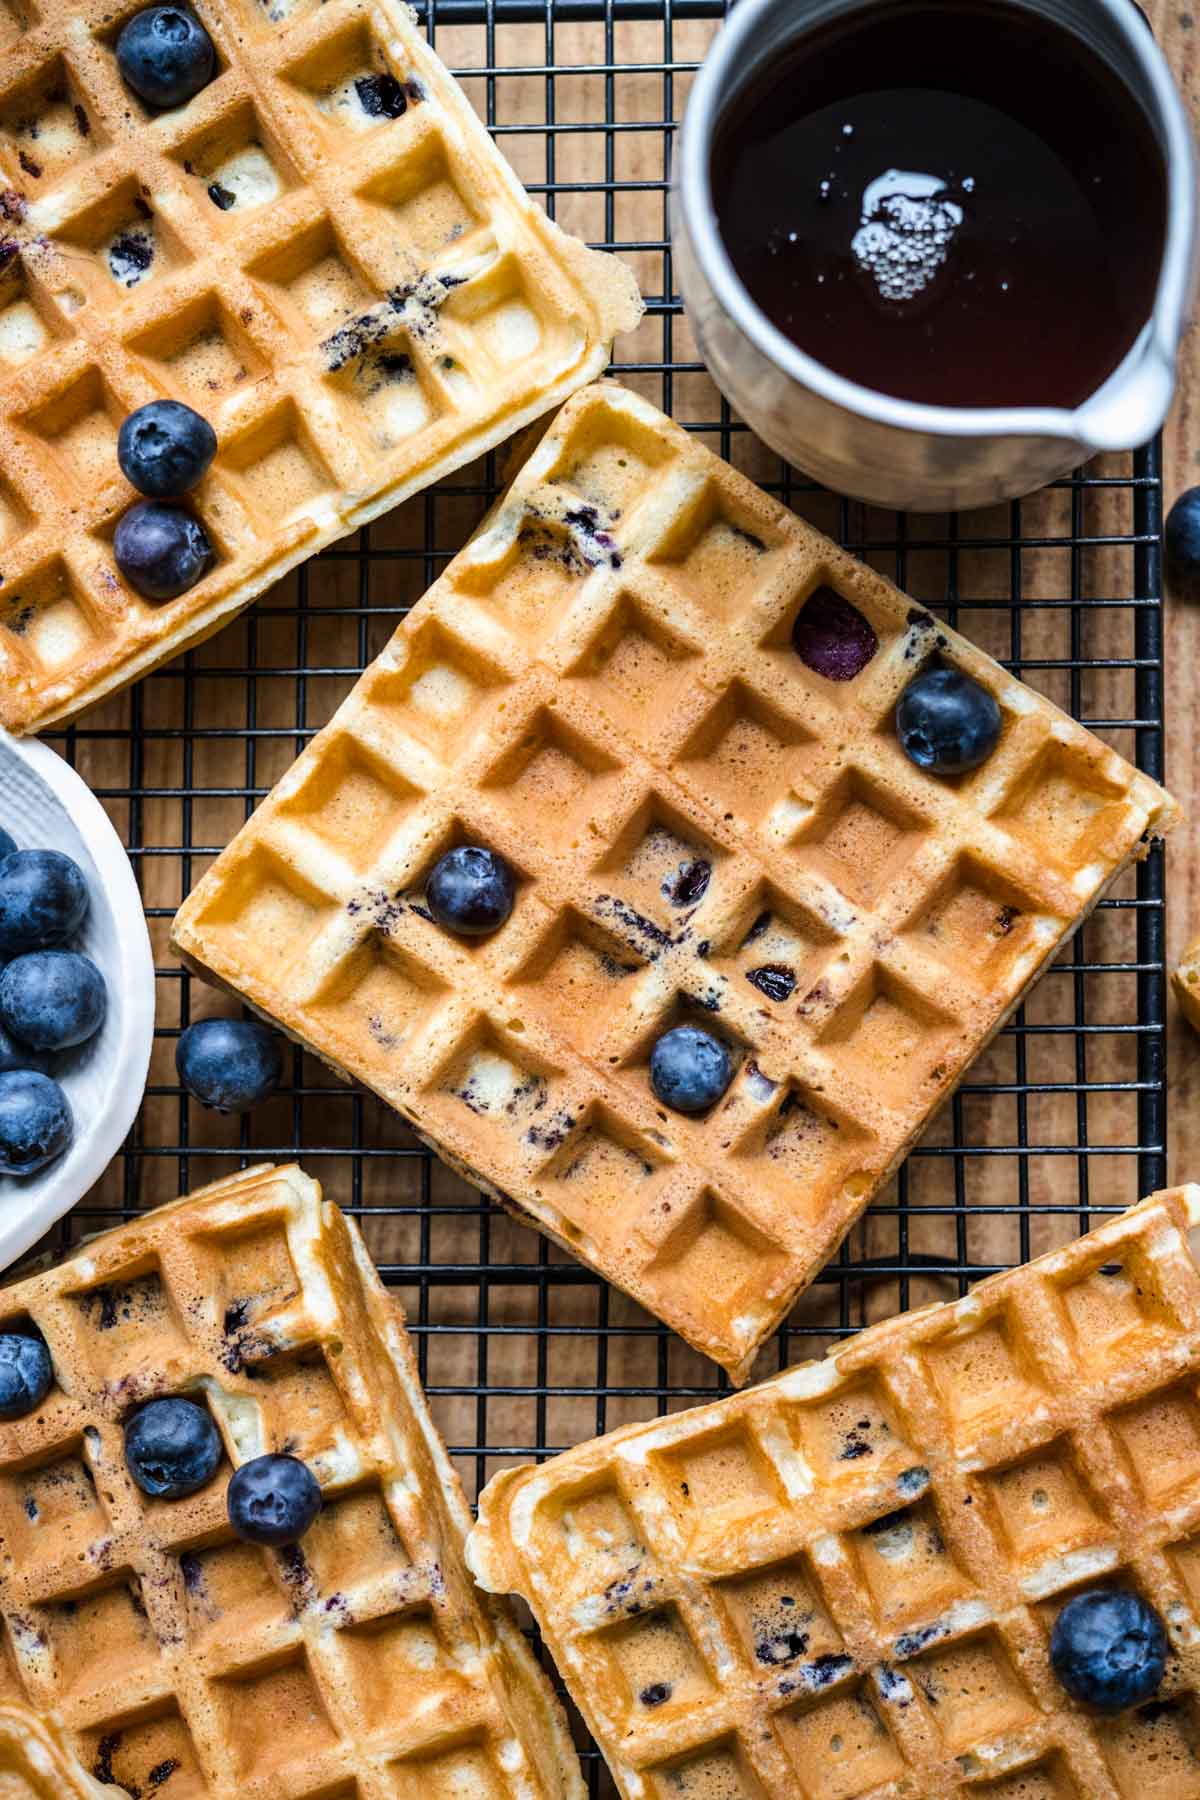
(358, 302)
(602, 688)
(1185, 979)
(179, 1660)
(841, 1585)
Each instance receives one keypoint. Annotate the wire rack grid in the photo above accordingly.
(524, 1352)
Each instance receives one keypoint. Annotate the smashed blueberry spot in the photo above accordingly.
(852, 1448)
(689, 882)
(221, 196)
(913, 1481)
(129, 256)
(826, 1669)
(381, 96)
(162, 1771)
(774, 980)
(831, 637)
(783, 1647)
(31, 168)
(102, 1768)
(655, 1694)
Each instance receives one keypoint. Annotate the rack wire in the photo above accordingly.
(523, 1351)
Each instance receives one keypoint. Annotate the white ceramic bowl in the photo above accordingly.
(45, 805)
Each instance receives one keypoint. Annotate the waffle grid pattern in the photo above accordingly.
(841, 1584)
(177, 1657)
(358, 302)
(592, 680)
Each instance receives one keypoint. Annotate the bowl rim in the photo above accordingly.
(97, 1144)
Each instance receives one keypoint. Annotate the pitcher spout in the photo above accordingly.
(1133, 402)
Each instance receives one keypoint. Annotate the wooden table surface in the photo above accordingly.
(1178, 31)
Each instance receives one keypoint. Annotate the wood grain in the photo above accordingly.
(1178, 31)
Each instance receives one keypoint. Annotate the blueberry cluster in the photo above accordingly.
(164, 449)
(52, 999)
(173, 1449)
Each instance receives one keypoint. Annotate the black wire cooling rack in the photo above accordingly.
(524, 1352)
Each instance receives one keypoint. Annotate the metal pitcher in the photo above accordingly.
(901, 453)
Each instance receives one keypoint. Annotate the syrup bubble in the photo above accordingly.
(906, 231)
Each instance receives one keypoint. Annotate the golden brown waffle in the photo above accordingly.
(840, 1585)
(602, 687)
(183, 1662)
(1185, 979)
(358, 303)
(36, 1765)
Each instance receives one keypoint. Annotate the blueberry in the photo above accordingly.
(273, 1500)
(689, 1069)
(43, 899)
(946, 722)
(1108, 1648)
(165, 55)
(161, 550)
(16, 1055)
(35, 1121)
(7, 844)
(53, 999)
(172, 1448)
(26, 1374)
(831, 637)
(471, 891)
(228, 1064)
(1182, 535)
(164, 448)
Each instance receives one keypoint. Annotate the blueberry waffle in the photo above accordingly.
(854, 1582)
(184, 1662)
(666, 708)
(322, 252)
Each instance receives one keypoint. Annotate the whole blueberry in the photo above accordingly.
(1108, 1648)
(164, 448)
(689, 1069)
(831, 637)
(35, 1121)
(26, 1374)
(946, 722)
(43, 899)
(16, 1055)
(228, 1064)
(1182, 535)
(165, 55)
(273, 1500)
(52, 999)
(8, 844)
(471, 891)
(172, 1448)
(161, 550)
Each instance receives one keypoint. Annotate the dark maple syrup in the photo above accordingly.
(958, 204)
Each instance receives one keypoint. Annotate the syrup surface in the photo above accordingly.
(957, 204)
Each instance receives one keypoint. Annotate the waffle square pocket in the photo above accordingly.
(842, 1584)
(605, 689)
(322, 252)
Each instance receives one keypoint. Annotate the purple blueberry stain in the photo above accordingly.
(656, 1694)
(775, 980)
(381, 96)
(831, 637)
(688, 883)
